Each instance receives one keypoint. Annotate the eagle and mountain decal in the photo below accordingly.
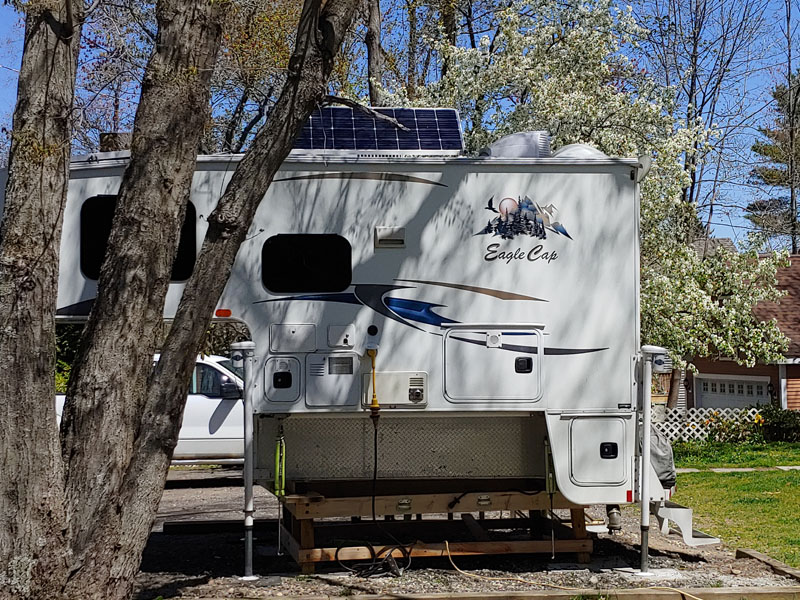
(522, 217)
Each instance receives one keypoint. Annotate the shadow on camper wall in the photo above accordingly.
(443, 208)
(585, 306)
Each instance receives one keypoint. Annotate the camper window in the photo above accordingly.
(306, 263)
(96, 215)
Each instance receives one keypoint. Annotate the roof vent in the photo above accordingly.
(579, 152)
(528, 144)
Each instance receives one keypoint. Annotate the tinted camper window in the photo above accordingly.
(295, 263)
(96, 215)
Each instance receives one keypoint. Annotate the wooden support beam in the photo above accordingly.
(305, 506)
(430, 529)
(300, 510)
(776, 565)
(306, 543)
(456, 549)
(478, 532)
(578, 517)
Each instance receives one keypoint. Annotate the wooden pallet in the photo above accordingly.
(303, 534)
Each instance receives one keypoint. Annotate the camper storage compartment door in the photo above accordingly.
(597, 451)
(332, 379)
(493, 362)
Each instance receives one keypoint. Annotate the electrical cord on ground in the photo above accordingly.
(518, 579)
(676, 590)
(551, 585)
(383, 561)
(405, 549)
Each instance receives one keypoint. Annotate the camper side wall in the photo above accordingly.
(491, 287)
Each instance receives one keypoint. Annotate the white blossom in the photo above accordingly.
(562, 67)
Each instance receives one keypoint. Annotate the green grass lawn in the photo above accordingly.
(706, 455)
(759, 510)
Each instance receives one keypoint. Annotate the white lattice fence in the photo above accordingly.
(693, 423)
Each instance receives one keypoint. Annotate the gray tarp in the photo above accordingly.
(661, 458)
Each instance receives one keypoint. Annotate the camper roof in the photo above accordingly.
(225, 161)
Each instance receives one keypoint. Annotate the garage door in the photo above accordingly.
(737, 393)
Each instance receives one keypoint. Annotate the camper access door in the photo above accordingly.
(492, 361)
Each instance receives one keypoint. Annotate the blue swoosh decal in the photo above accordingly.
(416, 310)
(404, 310)
(371, 295)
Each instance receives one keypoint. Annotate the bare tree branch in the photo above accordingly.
(365, 109)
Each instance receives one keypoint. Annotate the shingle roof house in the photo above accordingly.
(724, 383)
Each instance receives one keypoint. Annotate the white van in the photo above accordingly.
(212, 425)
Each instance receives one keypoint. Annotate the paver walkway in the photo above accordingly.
(740, 469)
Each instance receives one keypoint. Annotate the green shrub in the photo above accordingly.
(780, 425)
(740, 430)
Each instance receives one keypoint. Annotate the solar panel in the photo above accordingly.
(344, 128)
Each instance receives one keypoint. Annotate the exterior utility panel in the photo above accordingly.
(503, 295)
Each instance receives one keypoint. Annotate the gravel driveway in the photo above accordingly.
(206, 563)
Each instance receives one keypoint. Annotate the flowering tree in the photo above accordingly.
(564, 68)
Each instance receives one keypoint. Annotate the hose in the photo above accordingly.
(280, 464)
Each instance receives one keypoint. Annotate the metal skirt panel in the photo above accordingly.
(431, 447)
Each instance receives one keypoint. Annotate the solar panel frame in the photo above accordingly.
(344, 128)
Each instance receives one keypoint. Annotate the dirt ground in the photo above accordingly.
(188, 558)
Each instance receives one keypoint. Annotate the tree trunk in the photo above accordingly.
(106, 393)
(449, 26)
(690, 161)
(374, 59)
(34, 554)
(122, 418)
(470, 23)
(251, 124)
(413, 41)
(320, 33)
(125, 507)
(674, 388)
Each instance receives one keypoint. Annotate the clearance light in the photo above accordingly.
(222, 312)
(629, 496)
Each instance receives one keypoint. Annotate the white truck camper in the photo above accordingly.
(497, 295)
